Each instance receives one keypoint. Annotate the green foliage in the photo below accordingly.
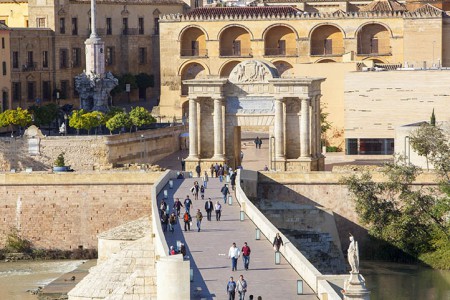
(140, 116)
(44, 115)
(433, 119)
(144, 80)
(60, 161)
(19, 116)
(16, 243)
(123, 81)
(412, 218)
(76, 120)
(118, 121)
(333, 149)
(325, 125)
(113, 110)
(92, 120)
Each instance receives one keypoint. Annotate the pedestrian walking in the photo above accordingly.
(162, 207)
(277, 242)
(260, 143)
(231, 289)
(246, 255)
(172, 222)
(233, 180)
(177, 206)
(220, 173)
(195, 189)
(187, 221)
(188, 203)
(205, 180)
(202, 192)
(256, 142)
(234, 254)
(183, 250)
(241, 287)
(225, 191)
(212, 170)
(199, 218)
(198, 170)
(218, 210)
(216, 169)
(209, 206)
(164, 221)
(172, 251)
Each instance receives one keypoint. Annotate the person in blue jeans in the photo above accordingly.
(225, 191)
(231, 289)
(234, 254)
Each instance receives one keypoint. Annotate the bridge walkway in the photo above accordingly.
(208, 250)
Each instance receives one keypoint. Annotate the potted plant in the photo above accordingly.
(60, 165)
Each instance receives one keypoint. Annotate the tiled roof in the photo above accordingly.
(384, 5)
(243, 11)
(162, 2)
(3, 27)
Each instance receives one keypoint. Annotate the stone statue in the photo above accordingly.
(353, 255)
(256, 71)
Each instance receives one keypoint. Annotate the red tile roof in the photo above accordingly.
(384, 5)
(243, 11)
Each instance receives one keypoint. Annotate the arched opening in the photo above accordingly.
(190, 71)
(285, 69)
(235, 41)
(374, 39)
(280, 41)
(193, 43)
(327, 40)
(325, 61)
(226, 69)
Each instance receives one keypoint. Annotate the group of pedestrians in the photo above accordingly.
(258, 142)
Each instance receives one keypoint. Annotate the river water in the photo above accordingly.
(18, 277)
(387, 281)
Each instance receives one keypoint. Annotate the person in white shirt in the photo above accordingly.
(234, 254)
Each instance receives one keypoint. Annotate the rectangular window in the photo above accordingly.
(281, 47)
(30, 59)
(89, 25)
(15, 60)
(4, 68)
(109, 56)
(75, 92)
(4, 100)
(236, 48)
(156, 24)
(45, 59)
(194, 48)
(76, 57)
(64, 89)
(63, 59)
(142, 56)
(141, 25)
(74, 26)
(328, 46)
(62, 25)
(31, 90)
(125, 26)
(3, 43)
(17, 93)
(108, 26)
(46, 91)
(40, 22)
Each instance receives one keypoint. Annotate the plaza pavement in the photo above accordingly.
(208, 250)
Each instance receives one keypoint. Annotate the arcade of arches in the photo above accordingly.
(255, 95)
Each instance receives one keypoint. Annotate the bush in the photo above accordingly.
(333, 149)
(60, 161)
(16, 243)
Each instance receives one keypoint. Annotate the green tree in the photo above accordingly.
(125, 79)
(77, 121)
(119, 120)
(433, 119)
(429, 141)
(113, 110)
(44, 115)
(92, 120)
(140, 116)
(15, 117)
(325, 125)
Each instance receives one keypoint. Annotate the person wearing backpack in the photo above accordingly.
(231, 289)
(241, 287)
(199, 217)
(187, 221)
(172, 222)
(164, 221)
(225, 191)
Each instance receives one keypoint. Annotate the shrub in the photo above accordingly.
(60, 161)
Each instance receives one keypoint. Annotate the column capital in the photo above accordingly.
(192, 97)
(279, 98)
(218, 97)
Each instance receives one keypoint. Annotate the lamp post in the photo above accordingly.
(432, 62)
(142, 148)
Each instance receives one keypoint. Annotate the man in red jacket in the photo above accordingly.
(246, 255)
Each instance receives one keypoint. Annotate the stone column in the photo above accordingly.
(218, 130)
(305, 129)
(319, 133)
(313, 127)
(193, 137)
(279, 129)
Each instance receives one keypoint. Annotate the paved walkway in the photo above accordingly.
(208, 251)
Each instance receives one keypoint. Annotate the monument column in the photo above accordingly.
(305, 129)
(193, 137)
(319, 131)
(218, 130)
(279, 129)
(313, 127)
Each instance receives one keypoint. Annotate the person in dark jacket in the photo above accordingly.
(277, 242)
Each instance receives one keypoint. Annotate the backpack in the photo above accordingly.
(186, 217)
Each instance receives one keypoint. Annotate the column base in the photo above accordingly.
(355, 288)
(305, 164)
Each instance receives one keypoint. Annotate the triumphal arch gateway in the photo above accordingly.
(255, 96)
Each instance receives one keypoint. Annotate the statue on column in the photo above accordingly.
(353, 255)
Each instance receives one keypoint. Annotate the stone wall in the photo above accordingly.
(69, 210)
(321, 189)
(91, 152)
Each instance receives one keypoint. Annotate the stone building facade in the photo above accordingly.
(48, 55)
(5, 68)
